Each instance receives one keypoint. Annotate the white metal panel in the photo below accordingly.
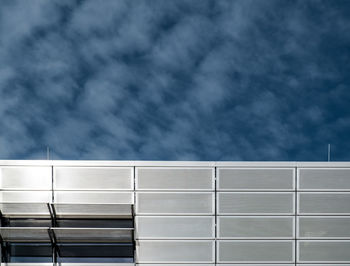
(255, 251)
(90, 264)
(175, 203)
(24, 234)
(324, 179)
(176, 264)
(255, 227)
(325, 203)
(175, 251)
(173, 163)
(323, 251)
(21, 210)
(255, 203)
(324, 227)
(93, 264)
(322, 264)
(28, 264)
(254, 179)
(257, 264)
(93, 235)
(25, 196)
(68, 264)
(93, 210)
(175, 227)
(94, 197)
(93, 178)
(174, 178)
(25, 178)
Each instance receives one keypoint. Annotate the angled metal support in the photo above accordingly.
(53, 241)
(53, 215)
(2, 259)
(4, 251)
(51, 233)
(1, 219)
(2, 247)
(133, 231)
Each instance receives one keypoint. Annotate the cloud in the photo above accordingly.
(174, 80)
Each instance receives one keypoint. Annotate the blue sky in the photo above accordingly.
(175, 80)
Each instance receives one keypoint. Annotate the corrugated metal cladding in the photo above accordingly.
(207, 213)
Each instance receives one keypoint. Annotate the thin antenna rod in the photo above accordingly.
(47, 153)
(329, 152)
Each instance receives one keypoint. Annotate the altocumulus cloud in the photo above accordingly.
(175, 80)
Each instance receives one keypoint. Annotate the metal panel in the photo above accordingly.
(251, 251)
(324, 203)
(324, 179)
(257, 264)
(171, 251)
(33, 210)
(255, 203)
(324, 227)
(93, 210)
(176, 264)
(30, 264)
(25, 196)
(324, 251)
(25, 178)
(178, 227)
(174, 203)
(165, 178)
(94, 197)
(322, 264)
(93, 178)
(90, 264)
(255, 179)
(240, 227)
(24, 234)
(93, 235)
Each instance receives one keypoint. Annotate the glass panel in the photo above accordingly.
(93, 210)
(95, 252)
(96, 223)
(93, 235)
(26, 222)
(33, 252)
(25, 234)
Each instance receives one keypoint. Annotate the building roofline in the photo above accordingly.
(172, 163)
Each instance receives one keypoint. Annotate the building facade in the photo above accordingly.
(163, 213)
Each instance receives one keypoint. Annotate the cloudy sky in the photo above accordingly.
(175, 80)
